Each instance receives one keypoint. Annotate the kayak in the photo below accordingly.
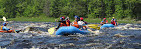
(10, 31)
(70, 30)
(107, 26)
(94, 26)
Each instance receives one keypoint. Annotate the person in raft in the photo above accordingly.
(104, 21)
(75, 22)
(3, 27)
(67, 21)
(114, 22)
(82, 24)
(61, 23)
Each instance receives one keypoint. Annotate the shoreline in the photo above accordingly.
(51, 19)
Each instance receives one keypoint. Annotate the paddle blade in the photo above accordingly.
(94, 26)
(4, 19)
(51, 30)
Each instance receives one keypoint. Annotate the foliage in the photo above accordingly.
(119, 9)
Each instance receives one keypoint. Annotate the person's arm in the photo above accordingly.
(58, 26)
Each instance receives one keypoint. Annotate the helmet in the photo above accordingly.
(63, 17)
(104, 18)
(81, 18)
(76, 16)
(113, 17)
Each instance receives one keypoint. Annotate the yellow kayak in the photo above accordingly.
(94, 26)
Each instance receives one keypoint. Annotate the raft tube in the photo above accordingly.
(107, 26)
(70, 30)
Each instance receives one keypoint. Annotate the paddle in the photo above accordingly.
(94, 26)
(4, 19)
(52, 29)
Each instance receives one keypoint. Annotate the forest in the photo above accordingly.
(119, 9)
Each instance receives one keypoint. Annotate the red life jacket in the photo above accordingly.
(62, 24)
(113, 22)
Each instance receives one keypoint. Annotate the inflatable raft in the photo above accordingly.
(107, 26)
(70, 30)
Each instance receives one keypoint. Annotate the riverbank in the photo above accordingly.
(51, 19)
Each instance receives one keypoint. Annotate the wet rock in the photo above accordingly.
(93, 44)
(119, 35)
(121, 42)
(67, 45)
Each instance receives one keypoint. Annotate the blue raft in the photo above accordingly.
(70, 30)
(107, 26)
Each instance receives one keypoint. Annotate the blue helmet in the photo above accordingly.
(76, 16)
(61, 18)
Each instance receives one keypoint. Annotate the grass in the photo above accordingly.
(98, 20)
(51, 19)
(33, 19)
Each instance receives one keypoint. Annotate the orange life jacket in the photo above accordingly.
(75, 24)
(68, 24)
(62, 24)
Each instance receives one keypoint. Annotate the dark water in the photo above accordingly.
(109, 38)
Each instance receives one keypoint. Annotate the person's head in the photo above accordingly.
(115, 20)
(76, 18)
(81, 18)
(63, 17)
(5, 23)
(67, 18)
(104, 19)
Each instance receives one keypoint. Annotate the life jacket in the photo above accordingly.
(1, 27)
(75, 24)
(68, 23)
(62, 24)
(113, 22)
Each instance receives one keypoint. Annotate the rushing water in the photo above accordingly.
(39, 38)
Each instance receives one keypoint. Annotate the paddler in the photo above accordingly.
(61, 23)
(116, 22)
(82, 24)
(104, 21)
(3, 27)
(67, 21)
(75, 22)
(113, 21)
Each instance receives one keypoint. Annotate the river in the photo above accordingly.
(39, 38)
